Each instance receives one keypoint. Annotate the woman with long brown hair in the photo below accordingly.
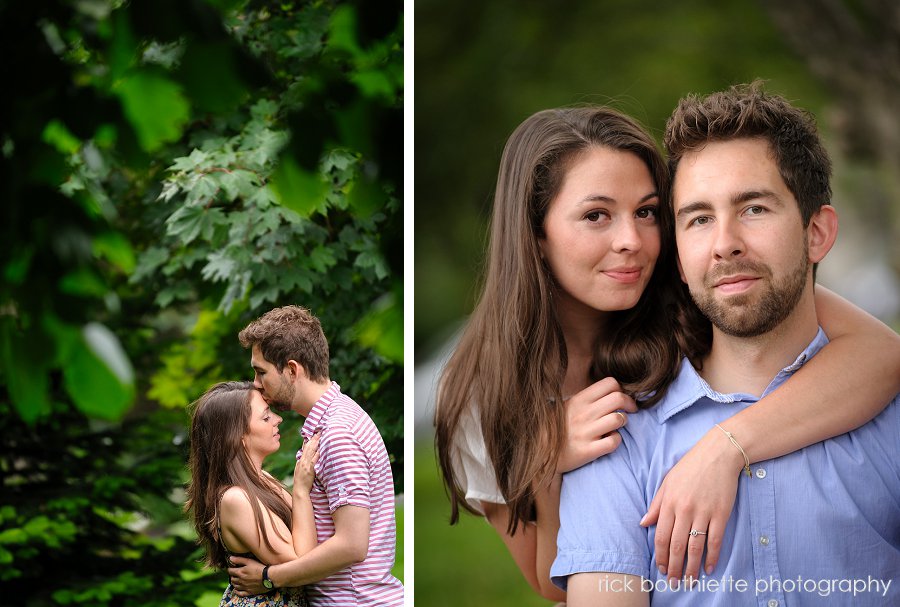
(237, 507)
(581, 314)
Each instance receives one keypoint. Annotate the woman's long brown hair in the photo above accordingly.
(218, 460)
(511, 359)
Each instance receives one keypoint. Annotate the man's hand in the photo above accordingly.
(246, 576)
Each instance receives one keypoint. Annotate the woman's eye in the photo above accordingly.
(647, 213)
(595, 216)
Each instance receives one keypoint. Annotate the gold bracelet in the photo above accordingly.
(741, 449)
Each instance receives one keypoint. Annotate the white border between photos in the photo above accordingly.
(408, 299)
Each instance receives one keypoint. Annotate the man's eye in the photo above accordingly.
(700, 221)
(755, 210)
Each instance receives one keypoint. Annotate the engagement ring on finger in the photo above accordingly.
(695, 533)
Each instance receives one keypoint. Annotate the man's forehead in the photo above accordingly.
(257, 360)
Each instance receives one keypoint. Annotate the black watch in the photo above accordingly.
(269, 584)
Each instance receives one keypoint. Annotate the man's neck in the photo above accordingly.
(308, 394)
(748, 364)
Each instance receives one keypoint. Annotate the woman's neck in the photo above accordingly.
(257, 460)
(581, 326)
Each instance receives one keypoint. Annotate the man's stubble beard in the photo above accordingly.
(740, 315)
(282, 400)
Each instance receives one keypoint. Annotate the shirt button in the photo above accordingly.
(764, 540)
(773, 603)
(760, 473)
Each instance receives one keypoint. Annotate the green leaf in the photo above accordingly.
(382, 328)
(16, 269)
(196, 159)
(98, 374)
(366, 197)
(296, 189)
(105, 345)
(342, 33)
(185, 223)
(13, 536)
(372, 259)
(155, 107)
(264, 109)
(203, 189)
(374, 83)
(25, 362)
(179, 291)
(191, 221)
(83, 282)
(219, 267)
(116, 249)
(148, 262)
(263, 198)
(123, 51)
(238, 184)
(321, 259)
(105, 136)
(260, 295)
(57, 135)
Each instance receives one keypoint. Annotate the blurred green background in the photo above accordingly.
(481, 68)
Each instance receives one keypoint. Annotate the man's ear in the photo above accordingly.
(295, 370)
(822, 232)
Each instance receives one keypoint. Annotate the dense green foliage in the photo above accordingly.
(170, 171)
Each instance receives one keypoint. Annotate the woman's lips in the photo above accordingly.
(625, 275)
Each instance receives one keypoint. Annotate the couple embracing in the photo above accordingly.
(331, 539)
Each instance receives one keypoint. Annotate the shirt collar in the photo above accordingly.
(689, 387)
(314, 419)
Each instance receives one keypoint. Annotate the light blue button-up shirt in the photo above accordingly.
(817, 526)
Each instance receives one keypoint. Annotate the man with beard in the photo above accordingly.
(353, 493)
(821, 525)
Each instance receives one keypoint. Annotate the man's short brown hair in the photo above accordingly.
(747, 111)
(289, 333)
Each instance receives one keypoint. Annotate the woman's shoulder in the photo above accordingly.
(234, 501)
(234, 513)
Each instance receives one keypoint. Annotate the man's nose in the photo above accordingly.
(728, 242)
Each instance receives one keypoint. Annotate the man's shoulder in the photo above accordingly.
(347, 422)
(343, 412)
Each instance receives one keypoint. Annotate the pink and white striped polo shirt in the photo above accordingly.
(353, 469)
